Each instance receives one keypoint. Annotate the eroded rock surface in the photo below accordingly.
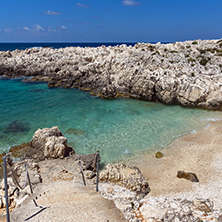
(187, 73)
(126, 176)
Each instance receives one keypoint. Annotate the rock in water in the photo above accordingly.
(159, 155)
(51, 142)
(189, 176)
(126, 176)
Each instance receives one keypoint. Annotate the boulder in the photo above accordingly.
(51, 142)
(126, 176)
(186, 175)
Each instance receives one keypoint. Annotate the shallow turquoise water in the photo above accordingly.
(118, 128)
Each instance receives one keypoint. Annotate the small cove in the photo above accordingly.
(119, 128)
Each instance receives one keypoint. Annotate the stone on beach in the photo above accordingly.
(187, 175)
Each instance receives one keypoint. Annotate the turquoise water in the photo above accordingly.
(118, 128)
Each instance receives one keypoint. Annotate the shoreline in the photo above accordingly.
(199, 153)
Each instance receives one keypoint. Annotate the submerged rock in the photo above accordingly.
(75, 131)
(17, 127)
(126, 176)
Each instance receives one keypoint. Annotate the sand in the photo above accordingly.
(199, 153)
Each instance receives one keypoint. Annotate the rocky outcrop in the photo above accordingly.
(50, 142)
(126, 176)
(187, 73)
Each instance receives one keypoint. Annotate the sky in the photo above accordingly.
(109, 20)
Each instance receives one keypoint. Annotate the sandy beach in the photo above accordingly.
(199, 153)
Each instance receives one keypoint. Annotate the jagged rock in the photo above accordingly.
(51, 142)
(126, 176)
(189, 176)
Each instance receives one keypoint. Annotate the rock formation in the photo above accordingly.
(187, 73)
(50, 142)
(126, 176)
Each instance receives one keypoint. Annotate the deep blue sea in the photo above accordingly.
(23, 46)
(119, 128)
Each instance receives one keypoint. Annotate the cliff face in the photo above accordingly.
(187, 73)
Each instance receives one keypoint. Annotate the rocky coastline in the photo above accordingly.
(187, 73)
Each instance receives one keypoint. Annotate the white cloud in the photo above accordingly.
(7, 30)
(26, 28)
(51, 13)
(130, 2)
(82, 5)
(62, 27)
(38, 28)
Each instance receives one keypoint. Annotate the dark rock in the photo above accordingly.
(189, 176)
(17, 127)
(89, 161)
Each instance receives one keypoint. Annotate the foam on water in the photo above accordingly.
(118, 128)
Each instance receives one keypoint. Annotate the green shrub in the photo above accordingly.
(191, 60)
(174, 51)
(202, 51)
(152, 48)
(194, 43)
(204, 61)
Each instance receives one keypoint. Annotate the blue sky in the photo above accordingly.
(109, 20)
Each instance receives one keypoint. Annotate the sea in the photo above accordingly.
(120, 128)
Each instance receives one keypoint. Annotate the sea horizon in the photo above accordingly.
(5, 46)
